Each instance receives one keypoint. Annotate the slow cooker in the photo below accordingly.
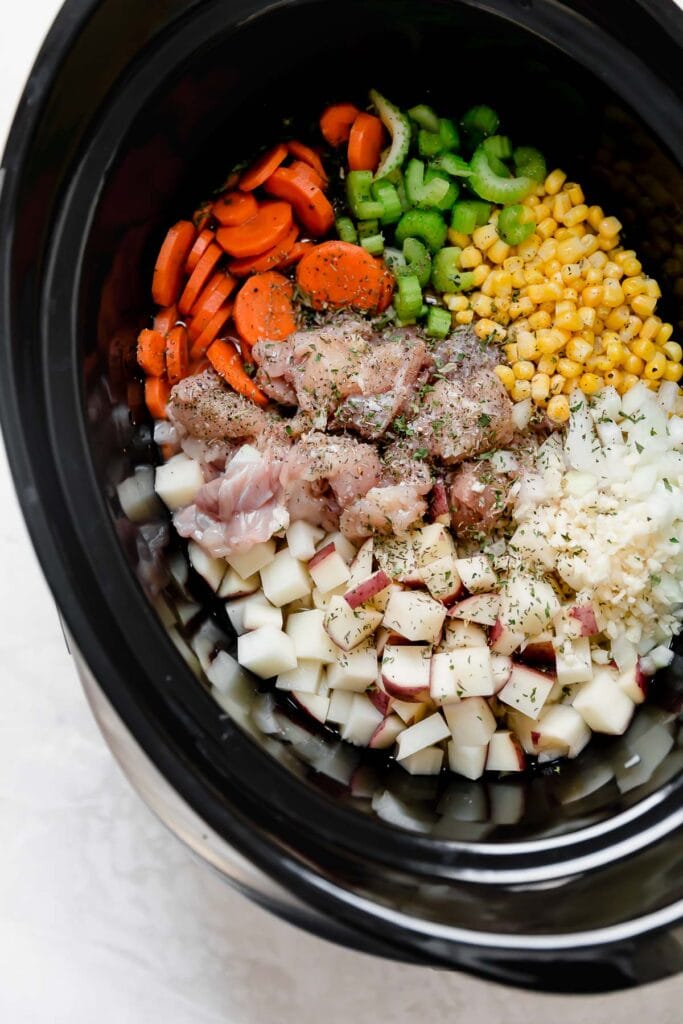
(568, 882)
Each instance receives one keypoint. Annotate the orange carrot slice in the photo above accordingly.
(209, 302)
(339, 274)
(312, 207)
(263, 308)
(307, 156)
(201, 244)
(234, 208)
(268, 261)
(270, 225)
(210, 333)
(170, 265)
(336, 121)
(177, 354)
(226, 361)
(152, 352)
(298, 250)
(307, 172)
(200, 275)
(165, 319)
(157, 391)
(365, 143)
(263, 168)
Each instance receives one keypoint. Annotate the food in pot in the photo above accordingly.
(421, 431)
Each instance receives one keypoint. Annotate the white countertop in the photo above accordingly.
(104, 916)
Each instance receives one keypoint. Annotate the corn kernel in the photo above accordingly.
(655, 367)
(631, 329)
(612, 293)
(488, 285)
(627, 382)
(482, 305)
(673, 371)
(632, 266)
(544, 292)
(526, 345)
(664, 333)
(456, 302)
(513, 264)
(528, 250)
(589, 383)
(653, 289)
(616, 352)
(605, 243)
(484, 237)
(458, 238)
(578, 349)
(561, 206)
(533, 276)
(558, 409)
(650, 327)
(531, 201)
(470, 257)
(570, 295)
(589, 244)
(570, 250)
(568, 368)
(511, 351)
(673, 351)
(618, 318)
(551, 268)
(614, 378)
(575, 192)
(569, 321)
(540, 387)
(569, 385)
(644, 348)
(549, 342)
(609, 226)
(521, 389)
(485, 328)
(464, 316)
(612, 269)
(554, 182)
(524, 369)
(547, 365)
(643, 305)
(575, 215)
(542, 211)
(634, 364)
(592, 295)
(557, 383)
(603, 364)
(587, 315)
(547, 227)
(498, 252)
(526, 305)
(479, 274)
(595, 216)
(593, 276)
(505, 376)
(540, 320)
(633, 286)
(501, 306)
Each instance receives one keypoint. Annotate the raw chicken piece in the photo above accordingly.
(463, 353)
(383, 510)
(349, 467)
(207, 410)
(478, 497)
(460, 418)
(401, 467)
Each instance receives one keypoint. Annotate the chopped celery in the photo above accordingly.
(448, 133)
(346, 229)
(425, 117)
(397, 180)
(494, 187)
(367, 228)
(530, 162)
(469, 214)
(515, 224)
(398, 126)
(420, 193)
(452, 164)
(479, 122)
(417, 260)
(408, 297)
(359, 196)
(374, 244)
(427, 225)
(451, 193)
(438, 322)
(385, 193)
(432, 143)
(446, 268)
(498, 146)
(396, 261)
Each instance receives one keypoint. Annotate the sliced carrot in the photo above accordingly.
(177, 354)
(270, 225)
(308, 156)
(263, 308)
(336, 121)
(201, 244)
(157, 392)
(165, 319)
(298, 250)
(263, 168)
(209, 302)
(152, 352)
(226, 361)
(235, 208)
(311, 205)
(199, 365)
(210, 333)
(386, 290)
(365, 143)
(307, 172)
(170, 265)
(339, 274)
(200, 275)
(268, 261)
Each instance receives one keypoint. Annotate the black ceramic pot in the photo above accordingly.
(134, 111)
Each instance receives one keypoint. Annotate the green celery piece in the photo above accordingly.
(494, 187)
(425, 117)
(346, 229)
(427, 225)
(438, 322)
(530, 162)
(398, 126)
(417, 260)
(515, 224)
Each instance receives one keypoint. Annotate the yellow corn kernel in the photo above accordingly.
(618, 318)
(542, 211)
(589, 244)
(644, 348)
(458, 238)
(465, 316)
(616, 352)
(524, 369)
(649, 329)
(479, 274)
(549, 342)
(673, 371)
(544, 292)
(482, 305)
(602, 364)
(571, 273)
(633, 364)
(487, 286)
(547, 227)
(528, 250)
(547, 250)
(575, 215)
(575, 192)
(498, 252)
(511, 351)
(561, 206)
(470, 257)
(557, 383)
(558, 409)
(595, 216)
(627, 382)
(527, 347)
(484, 237)
(652, 289)
(531, 201)
(587, 315)
(569, 368)
(643, 305)
(609, 226)
(548, 365)
(633, 286)
(513, 264)
(456, 302)
(592, 295)
(540, 387)
(673, 351)
(485, 328)
(554, 182)
(578, 349)
(540, 320)
(612, 269)
(570, 295)
(612, 293)
(614, 378)
(526, 305)
(502, 281)
(664, 333)
(593, 276)
(590, 383)
(569, 250)
(533, 276)
(551, 268)
(505, 376)
(655, 367)
(521, 390)
(605, 243)
(501, 305)
(632, 266)
(570, 321)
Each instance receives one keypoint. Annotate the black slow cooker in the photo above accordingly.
(569, 881)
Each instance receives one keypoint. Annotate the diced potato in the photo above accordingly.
(177, 481)
(328, 569)
(302, 538)
(246, 563)
(306, 677)
(353, 670)
(266, 652)
(348, 627)
(415, 615)
(285, 579)
(476, 573)
(211, 569)
(310, 640)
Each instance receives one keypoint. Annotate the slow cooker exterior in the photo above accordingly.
(69, 161)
